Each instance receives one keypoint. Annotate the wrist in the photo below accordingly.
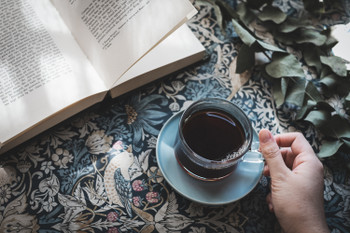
(307, 226)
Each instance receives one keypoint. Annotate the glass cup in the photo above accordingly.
(212, 138)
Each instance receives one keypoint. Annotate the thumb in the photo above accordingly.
(271, 153)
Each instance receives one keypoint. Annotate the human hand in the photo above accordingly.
(296, 174)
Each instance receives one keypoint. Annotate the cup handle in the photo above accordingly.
(253, 156)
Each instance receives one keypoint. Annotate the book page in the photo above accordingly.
(116, 34)
(37, 78)
(177, 51)
(180, 44)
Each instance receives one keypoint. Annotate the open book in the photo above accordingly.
(60, 57)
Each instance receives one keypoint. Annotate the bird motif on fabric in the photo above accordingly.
(124, 190)
(117, 180)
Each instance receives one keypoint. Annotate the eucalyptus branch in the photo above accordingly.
(286, 72)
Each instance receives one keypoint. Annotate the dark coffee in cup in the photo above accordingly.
(213, 135)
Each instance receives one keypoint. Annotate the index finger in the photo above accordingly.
(296, 141)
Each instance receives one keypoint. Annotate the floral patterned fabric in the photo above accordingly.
(97, 172)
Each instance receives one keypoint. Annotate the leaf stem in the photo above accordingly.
(266, 55)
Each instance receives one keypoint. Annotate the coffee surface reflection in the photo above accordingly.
(213, 134)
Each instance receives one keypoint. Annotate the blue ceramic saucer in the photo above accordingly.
(232, 188)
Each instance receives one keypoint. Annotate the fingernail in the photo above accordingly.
(265, 136)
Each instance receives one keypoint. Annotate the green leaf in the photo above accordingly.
(318, 117)
(326, 70)
(244, 34)
(285, 38)
(301, 36)
(310, 104)
(312, 100)
(329, 148)
(336, 127)
(245, 14)
(311, 56)
(272, 13)
(245, 59)
(310, 36)
(295, 91)
(330, 81)
(278, 95)
(312, 92)
(346, 142)
(337, 64)
(335, 84)
(307, 106)
(325, 106)
(260, 46)
(284, 65)
(292, 24)
(330, 43)
(284, 86)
